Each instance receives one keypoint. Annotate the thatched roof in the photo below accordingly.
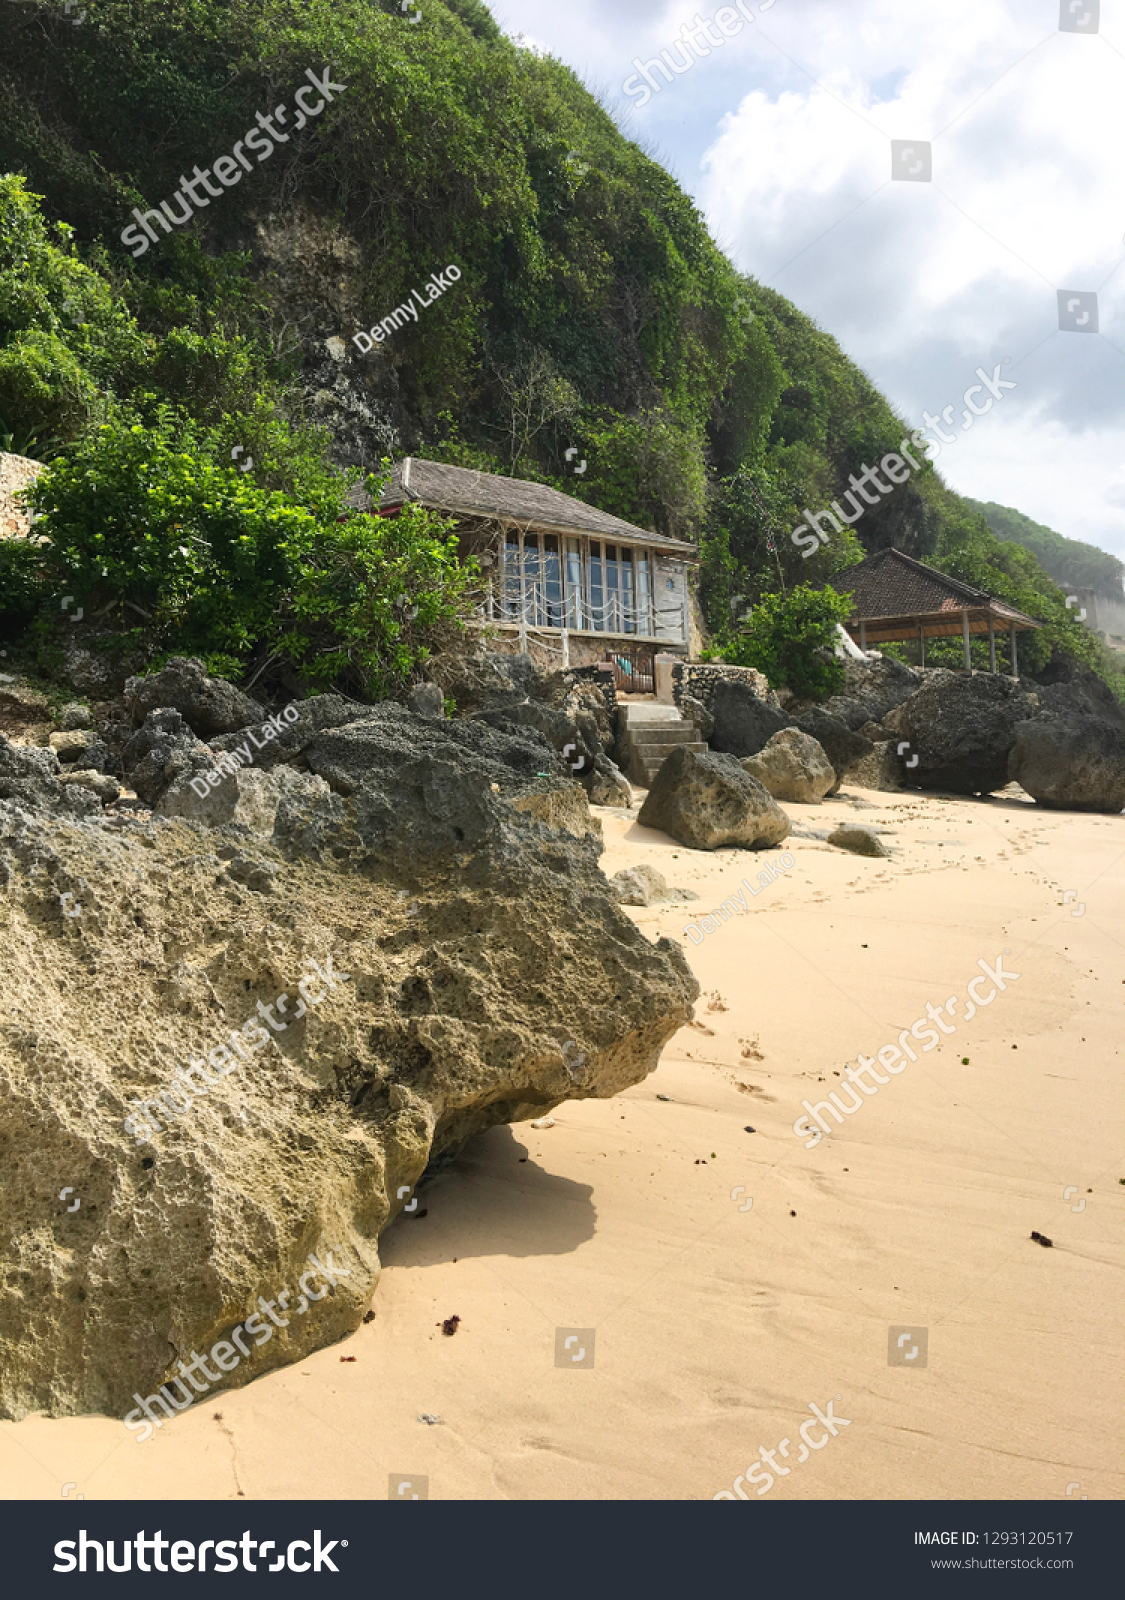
(509, 501)
(894, 594)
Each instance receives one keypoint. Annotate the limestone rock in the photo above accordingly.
(1077, 764)
(872, 689)
(792, 766)
(962, 728)
(860, 841)
(427, 700)
(459, 965)
(75, 715)
(557, 805)
(608, 785)
(80, 748)
(101, 784)
(841, 745)
(695, 711)
(744, 723)
(29, 778)
(642, 885)
(881, 768)
(707, 801)
(208, 705)
(161, 751)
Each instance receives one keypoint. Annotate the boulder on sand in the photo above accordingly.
(792, 766)
(840, 744)
(474, 970)
(743, 722)
(860, 841)
(880, 768)
(961, 727)
(707, 801)
(1072, 765)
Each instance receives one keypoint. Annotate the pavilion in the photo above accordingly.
(898, 599)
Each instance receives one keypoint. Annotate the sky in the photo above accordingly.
(785, 137)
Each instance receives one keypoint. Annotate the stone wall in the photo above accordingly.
(16, 472)
(698, 678)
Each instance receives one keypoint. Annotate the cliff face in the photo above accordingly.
(331, 994)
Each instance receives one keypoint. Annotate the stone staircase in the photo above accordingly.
(648, 733)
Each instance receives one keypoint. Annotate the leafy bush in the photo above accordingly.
(792, 639)
(195, 557)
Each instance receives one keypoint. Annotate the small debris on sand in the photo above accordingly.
(1041, 1238)
(369, 1316)
(347, 1358)
(449, 1326)
(543, 1122)
(715, 1001)
(749, 1129)
(668, 1097)
(429, 1418)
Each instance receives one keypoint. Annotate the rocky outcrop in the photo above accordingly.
(161, 752)
(609, 786)
(707, 801)
(208, 705)
(840, 744)
(961, 727)
(793, 767)
(405, 961)
(1077, 764)
(872, 689)
(880, 768)
(744, 723)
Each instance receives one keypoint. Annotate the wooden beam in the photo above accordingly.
(1015, 654)
(862, 635)
(921, 645)
(991, 644)
(965, 637)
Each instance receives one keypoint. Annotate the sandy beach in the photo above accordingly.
(717, 1326)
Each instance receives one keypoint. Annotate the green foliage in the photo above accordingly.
(647, 469)
(792, 639)
(1067, 561)
(193, 556)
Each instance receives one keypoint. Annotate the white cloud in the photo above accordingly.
(783, 137)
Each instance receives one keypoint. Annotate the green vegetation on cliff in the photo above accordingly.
(593, 311)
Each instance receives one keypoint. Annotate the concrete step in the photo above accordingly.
(662, 733)
(651, 762)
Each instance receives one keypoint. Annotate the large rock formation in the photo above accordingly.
(707, 801)
(872, 689)
(1072, 765)
(792, 766)
(841, 745)
(208, 705)
(961, 727)
(402, 961)
(744, 723)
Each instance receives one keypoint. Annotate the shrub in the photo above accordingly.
(792, 639)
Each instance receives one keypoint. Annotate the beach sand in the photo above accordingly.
(716, 1326)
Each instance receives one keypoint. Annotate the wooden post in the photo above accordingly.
(921, 645)
(991, 643)
(1015, 654)
(862, 635)
(965, 637)
(565, 649)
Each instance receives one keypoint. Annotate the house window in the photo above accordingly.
(576, 613)
(547, 581)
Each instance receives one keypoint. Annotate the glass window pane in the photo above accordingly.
(628, 598)
(612, 597)
(511, 580)
(552, 582)
(644, 594)
(532, 580)
(597, 588)
(575, 601)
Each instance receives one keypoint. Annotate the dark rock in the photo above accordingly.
(1076, 764)
(1082, 694)
(29, 778)
(427, 700)
(961, 727)
(93, 665)
(81, 749)
(881, 768)
(872, 689)
(282, 741)
(161, 751)
(607, 785)
(840, 744)
(209, 705)
(744, 724)
(707, 801)
(695, 711)
(75, 715)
